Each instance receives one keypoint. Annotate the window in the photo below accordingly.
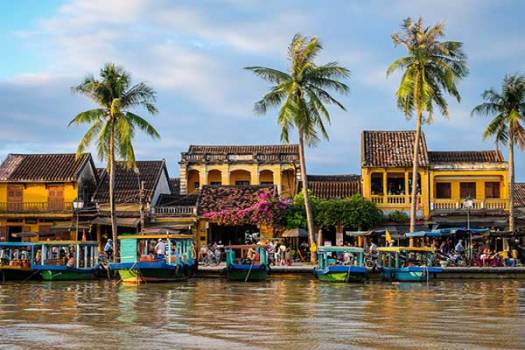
(376, 185)
(443, 190)
(467, 189)
(418, 188)
(395, 183)
(492, 190)
(242, 183)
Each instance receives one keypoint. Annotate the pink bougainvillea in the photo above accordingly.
(267, 210)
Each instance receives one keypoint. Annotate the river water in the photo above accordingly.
(295, 313)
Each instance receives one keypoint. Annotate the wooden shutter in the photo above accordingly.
(55, 197)
(467, 189)
(15, 197)
(443, 190)
(492, 190)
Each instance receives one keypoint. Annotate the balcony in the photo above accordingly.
(394, 201)
(36, 207)
(175, 211)
(477, 204)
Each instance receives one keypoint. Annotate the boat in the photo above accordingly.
(138, 263)
(15, 261)
(330, 269)
(66, 260)
(407, 264)
(243, 268)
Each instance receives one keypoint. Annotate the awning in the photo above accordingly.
(444, 232)
(67, 225)
(125, 222)
(159, 231)
(294, 233)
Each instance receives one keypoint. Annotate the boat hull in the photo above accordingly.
(247, 273)
(342, 274)
(150, 272)
(410, 274)
(14, 273)
(50, 275)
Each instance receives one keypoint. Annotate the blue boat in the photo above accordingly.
(66, 260)
(331, 266)
(16, 259)
(407, 264)
(137, 264)
(245, 269)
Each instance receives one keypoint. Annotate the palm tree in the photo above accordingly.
(507, 108)
(113, 124)
(302, 94)
(430, 69)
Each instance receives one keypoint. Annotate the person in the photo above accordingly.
(459, 248)
(38, 256)
(347, 258)
(251, 254)
(71, 262)
(108, 249)
(288, 256)
(270, 250)
(282, 253)
(160, 249)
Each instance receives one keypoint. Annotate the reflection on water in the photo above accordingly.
(291, 314)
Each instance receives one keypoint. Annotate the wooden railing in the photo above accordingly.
(175, 210)
(393, 200)
(53, 206)
(477, 204)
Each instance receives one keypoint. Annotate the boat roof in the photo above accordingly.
(407, 249)
(17, 244)
(58, 243)
(340, 249)
(155, 236)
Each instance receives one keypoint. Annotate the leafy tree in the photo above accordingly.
(507, 127)
(430, 69)
(112, 125)
(302, 93)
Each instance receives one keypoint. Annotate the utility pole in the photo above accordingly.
(141, 198)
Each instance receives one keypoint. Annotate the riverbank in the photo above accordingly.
(448, 272)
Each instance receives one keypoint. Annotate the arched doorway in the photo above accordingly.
(215, 177)
(193, 181)
(266, 177)
(240, 178)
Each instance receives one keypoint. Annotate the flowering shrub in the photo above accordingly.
(267, 210)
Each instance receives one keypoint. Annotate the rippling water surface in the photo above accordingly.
(278, 314)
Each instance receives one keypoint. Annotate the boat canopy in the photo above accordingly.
(155, 236)
(404, 249)
(324, 249)
(66, 243)
(444, 232)
(17, 244)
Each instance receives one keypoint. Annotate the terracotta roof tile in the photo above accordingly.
(519, 194)
(216, 198)
(42, 167)
(392, 149)
(466, 157)
(174, 200)
(127, 182)
(334, 186)
(243, 149)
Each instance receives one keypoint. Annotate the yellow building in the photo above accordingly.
(446, 179)
(37, 192)
(240, 166)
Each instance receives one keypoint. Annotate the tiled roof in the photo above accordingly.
(42, 167)
(391, 149)
(216, 198)
(466, 157)
(519, 194)
(127, 182)
(334, 186)
(174, 200)
(174, 185)
(243, 149)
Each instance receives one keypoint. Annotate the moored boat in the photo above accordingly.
(66, 260)
(407, 264)
(250, 267)
(139, 263)
(15, 261)
(341, 264)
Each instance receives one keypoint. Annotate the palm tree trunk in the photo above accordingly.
(112, 192)
(511, 182)
(415, 169)
(308, 209)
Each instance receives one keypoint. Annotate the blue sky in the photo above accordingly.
(192, 53)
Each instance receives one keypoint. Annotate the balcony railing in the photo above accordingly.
(256, 157)
(393, 200)
(477, 204)
(175, 210)
(35, 207)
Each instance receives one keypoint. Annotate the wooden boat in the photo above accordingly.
(245, 269)
(66, 260)
(329, 269)
(15, 261)
(407, 264)
(138, 264)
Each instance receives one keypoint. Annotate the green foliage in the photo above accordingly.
(355, 212)
(398, 216)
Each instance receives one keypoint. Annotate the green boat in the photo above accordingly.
(407, 264)
(138, 263)
(247, 269)
(341, 264)
(66, 260)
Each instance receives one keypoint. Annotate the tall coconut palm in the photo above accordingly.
(302, 93)
(430, 69)
(507, 127)
(112, 123)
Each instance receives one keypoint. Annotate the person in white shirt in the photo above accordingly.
(160, 249)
